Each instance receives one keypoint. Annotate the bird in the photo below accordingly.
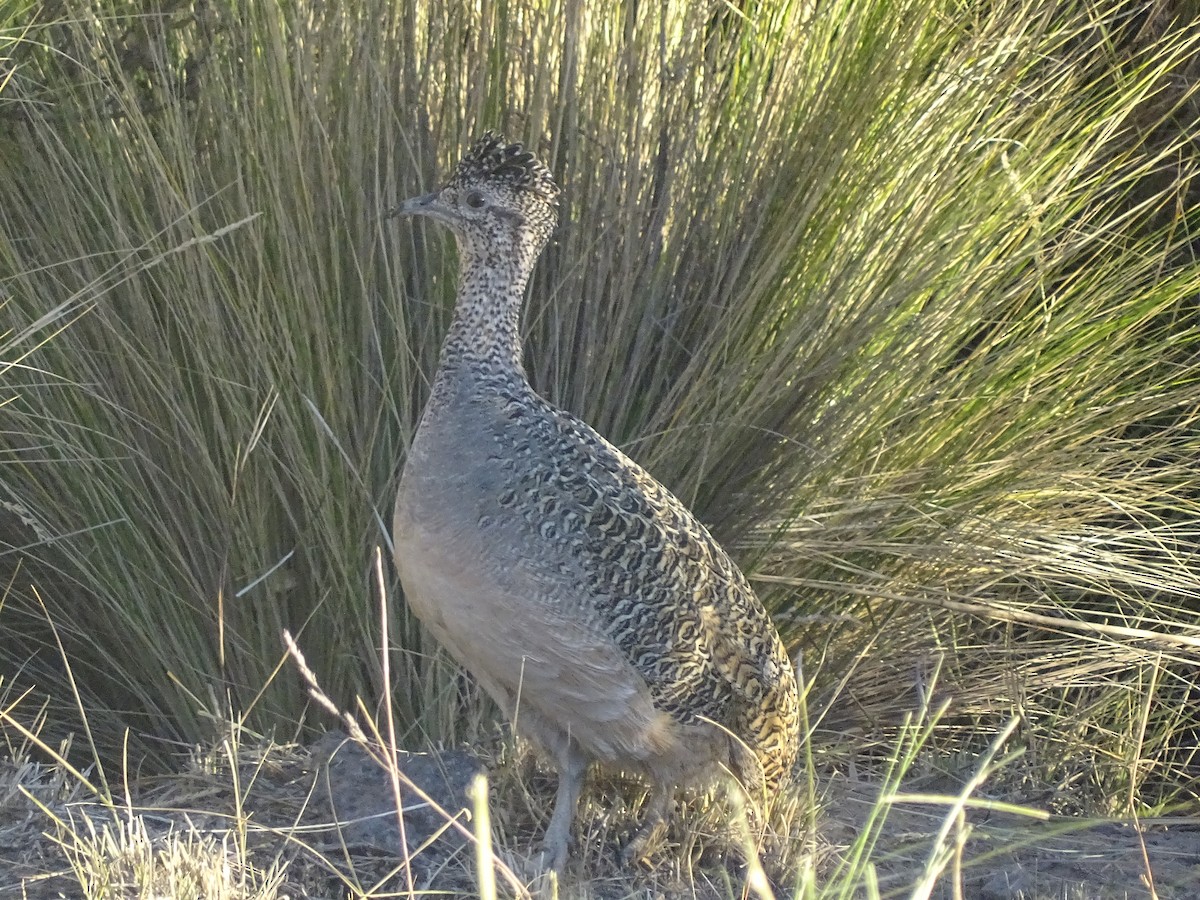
(590, 603)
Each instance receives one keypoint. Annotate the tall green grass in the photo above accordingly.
(898, 294)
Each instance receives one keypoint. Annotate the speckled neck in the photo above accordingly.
(485, 335)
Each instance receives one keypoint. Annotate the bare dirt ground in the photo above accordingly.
(276, 813)
(1008, 857)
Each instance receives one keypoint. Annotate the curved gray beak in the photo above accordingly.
(425, 205)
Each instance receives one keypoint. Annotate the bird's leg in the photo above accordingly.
(642, 844)
(571, 768)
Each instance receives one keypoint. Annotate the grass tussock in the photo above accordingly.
(899, 296)
(120, 859)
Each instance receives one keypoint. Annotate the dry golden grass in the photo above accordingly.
(245, 820)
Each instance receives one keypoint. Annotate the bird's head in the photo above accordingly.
(499, 198)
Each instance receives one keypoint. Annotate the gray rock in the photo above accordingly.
(358, 792)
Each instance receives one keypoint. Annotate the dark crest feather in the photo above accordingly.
(491, 157)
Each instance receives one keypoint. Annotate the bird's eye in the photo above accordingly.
(475, 199)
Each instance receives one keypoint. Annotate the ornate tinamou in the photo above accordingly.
(583, 596)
